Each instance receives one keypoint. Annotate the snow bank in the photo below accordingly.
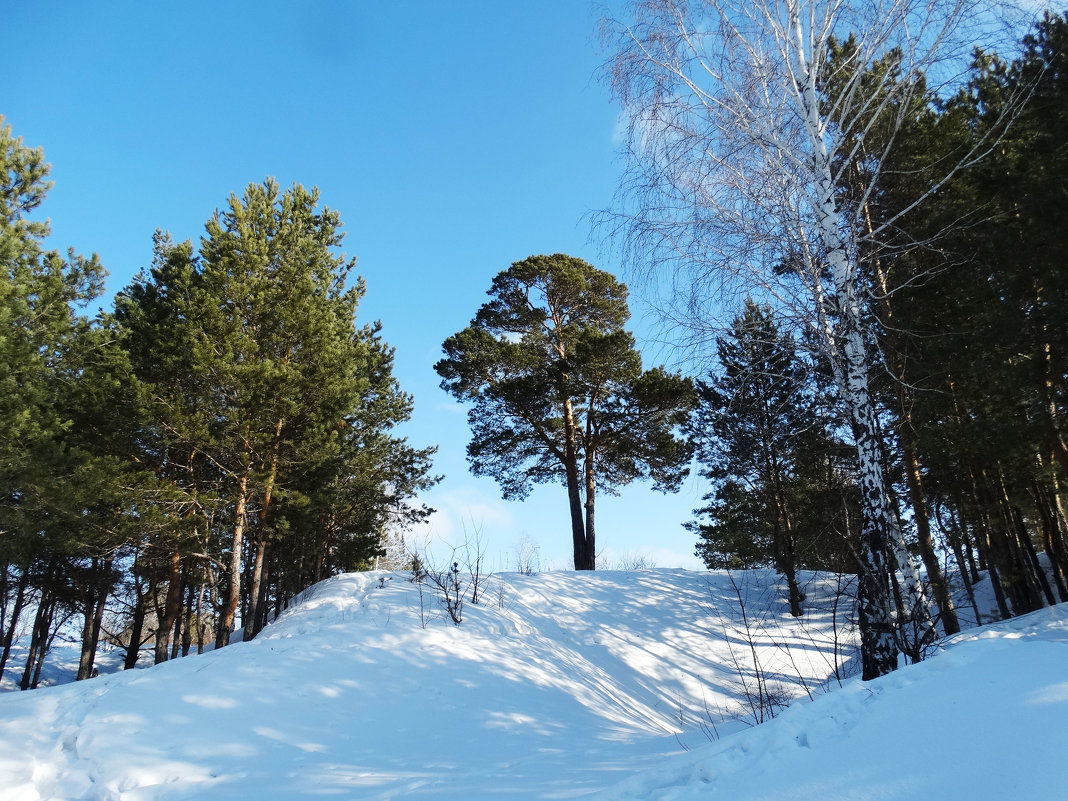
(985, 719)
(558, 685)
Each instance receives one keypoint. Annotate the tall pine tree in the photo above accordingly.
(558, 392)
(260, 376)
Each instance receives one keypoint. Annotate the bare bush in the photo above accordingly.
(763, 698)
(450, 591)
(636, 560)
(502, 591)
(473, 554)
(527, 556)
(752, 624)
(452, 584)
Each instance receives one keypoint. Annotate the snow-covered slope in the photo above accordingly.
(985, 719)
(558, 685)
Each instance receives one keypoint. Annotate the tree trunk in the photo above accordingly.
(589, 449)
(320, 561)
(38, 640)
(785, 557)
(88, 656)
(958, 541)
(281, 597)
(137, 625)
(965, 540)
(591, 531)
(922, 518)
(252, 623)
(1060, 541)
(879, 650)
(172, 607)
(214, 602)
(237, 544)
(1039, 581)
(187, 622)
(991, 545)
(252, 627)
(902, 616)
(1051, 537)
(1050, 383)
(1004, 553)
(200, 620)
(13, 621)
(844, 342)
(94, 619)
(176, 638)
(1026, 588)
(966, 580)
(574, 490)
(917, 612)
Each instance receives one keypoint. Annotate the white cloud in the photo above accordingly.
(449, 407)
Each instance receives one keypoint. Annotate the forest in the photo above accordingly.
(215, 444)
(887, 401)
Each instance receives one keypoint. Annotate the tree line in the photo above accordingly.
(896, 397)
(972, 344)
(889, 393)
(898, 374)
(198, 455)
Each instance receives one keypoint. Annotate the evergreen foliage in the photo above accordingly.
(558, 393)
(780, 482)
(277, 407)
(65, 486)
(985, 315)
(219, 443)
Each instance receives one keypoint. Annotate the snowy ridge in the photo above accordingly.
(558, 685)
(985, 719)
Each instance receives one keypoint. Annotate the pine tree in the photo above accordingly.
(262, 386)
(558, 392)
(982, 321)
(65, 484)
(762, 441)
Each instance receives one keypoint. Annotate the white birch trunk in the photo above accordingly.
(879, 649)
(921, 626)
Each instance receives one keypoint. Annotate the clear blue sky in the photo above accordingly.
(453, 137)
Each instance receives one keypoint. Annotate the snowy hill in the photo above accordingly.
(559, 685)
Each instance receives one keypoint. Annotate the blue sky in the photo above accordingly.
(453, 137)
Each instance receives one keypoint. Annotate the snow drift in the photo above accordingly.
(560, 685)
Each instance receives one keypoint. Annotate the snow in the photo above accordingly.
(984, 719)
(611, 685)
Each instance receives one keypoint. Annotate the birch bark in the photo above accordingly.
(736, 149)
(879, 650)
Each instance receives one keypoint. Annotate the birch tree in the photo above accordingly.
(737, 149)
